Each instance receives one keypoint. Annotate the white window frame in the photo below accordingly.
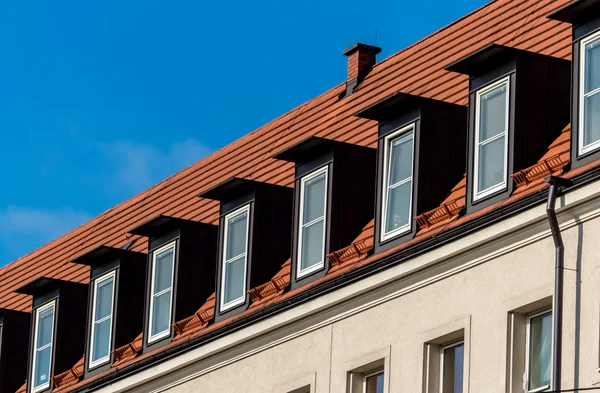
(38, 311)
(97, 282)
(595, 145)
(166, 332)
(477, 195)
(443, 349)
(527, 350)
(388, 140)
(367, 375)
(317, 266)
(228, 217)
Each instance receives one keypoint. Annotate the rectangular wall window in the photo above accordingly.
(397, 183)
(491, 139)
(539, 351)
(313, 212)
(161, 299)
(42, 347)
(235, 250)
(589, 101)
(452, 367)
(373, 382)
(102, 314)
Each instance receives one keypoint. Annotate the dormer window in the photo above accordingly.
(180, 273)
(161, 299)
(254, 233)
(235, 259)
(102, 319)
(42, 347)
(589, 99)
(334, 190)
(491, 135)
(520, 105)
(313, 212)
(398, 182)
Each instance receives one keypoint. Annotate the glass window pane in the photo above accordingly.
(398, 206)
(104, 299)
(42, 367)
(163, 270)
(492, 113)
(161, 309)
(591, 119)
(236, 235)
(401, 159)
(312, 245)
(491, 164)
(592, 66)
(374, 383)
(314, 198)
(45, 322)
(234, 280)
(453, 369)
(101, 339)
(540, 349)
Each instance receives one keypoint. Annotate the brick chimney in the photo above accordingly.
(361, 59)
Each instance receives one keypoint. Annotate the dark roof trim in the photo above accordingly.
(386, 108)
(306, 149)
(484, 59)
(162, 224)
(231, 188)
(42, 285)
(347, 278)
(577, 12)
(101, 255)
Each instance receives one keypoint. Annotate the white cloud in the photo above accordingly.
(23, 229)
(135, 166)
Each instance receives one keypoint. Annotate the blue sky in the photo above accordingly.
(101, 99)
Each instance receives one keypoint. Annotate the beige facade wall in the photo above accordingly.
(480, 287)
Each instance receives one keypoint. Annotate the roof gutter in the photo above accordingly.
(556, 182)
(343, 280)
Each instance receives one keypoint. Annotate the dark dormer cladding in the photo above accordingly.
(421, 156)
(116, 303)
(334, 188)
(57, 334)
(518, 104)
(180, 273)
(254, 238)
(584, 15)
(14, 338)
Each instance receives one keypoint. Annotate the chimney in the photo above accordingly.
(361, 59)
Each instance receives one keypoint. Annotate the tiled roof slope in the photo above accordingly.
(418, 70)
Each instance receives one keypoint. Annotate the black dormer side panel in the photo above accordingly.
(269, 229)
(538, 107)
(439, 158)
(14, 339)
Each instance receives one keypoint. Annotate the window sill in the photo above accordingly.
(313, 269)
(159, 336)
(540, 389)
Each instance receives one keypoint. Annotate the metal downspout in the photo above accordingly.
(556, 182)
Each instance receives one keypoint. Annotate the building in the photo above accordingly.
(397, 233)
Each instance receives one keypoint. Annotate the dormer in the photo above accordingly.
(116, 302)
(584, 16)
(180, 273)
(14, 337)
(518, 104)
(334, 189)
(420, 157)
(57, 329)
(254, 238)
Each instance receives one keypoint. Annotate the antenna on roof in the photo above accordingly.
(376, 36)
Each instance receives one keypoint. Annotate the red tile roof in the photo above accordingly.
(417, 70)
